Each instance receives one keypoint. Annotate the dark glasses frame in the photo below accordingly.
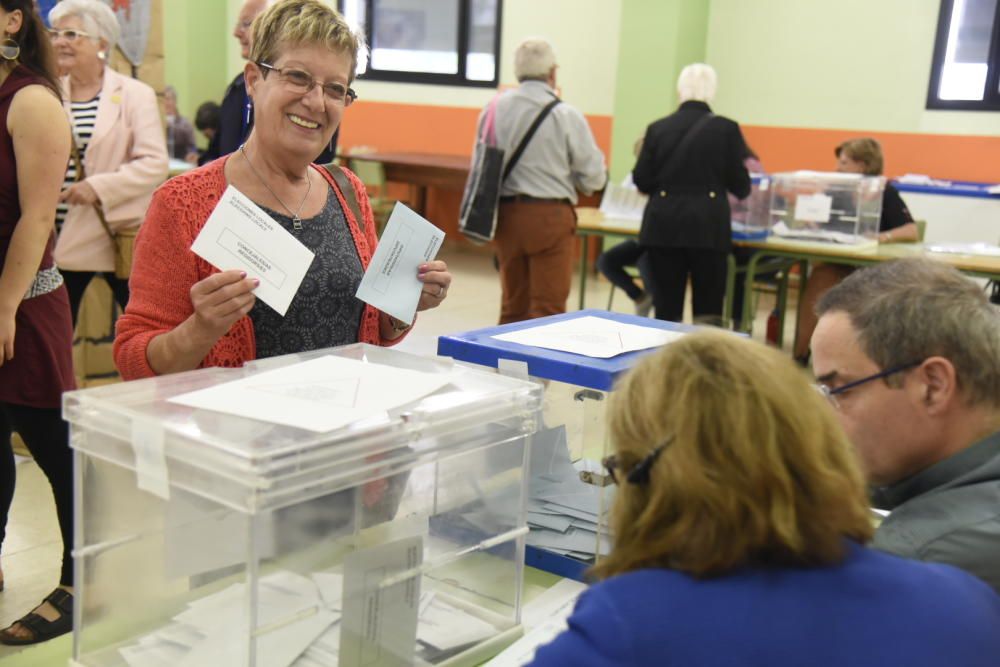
(639, 473)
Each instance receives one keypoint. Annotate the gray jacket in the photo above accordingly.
(948, 513)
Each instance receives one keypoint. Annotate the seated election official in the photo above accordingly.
(186, 314)
(896, 225)
(740, 523)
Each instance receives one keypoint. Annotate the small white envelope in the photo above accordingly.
(390, 283)
(240, 235)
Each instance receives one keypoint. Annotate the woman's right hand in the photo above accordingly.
(222, 299)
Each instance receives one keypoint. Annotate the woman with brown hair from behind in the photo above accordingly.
(739, 526)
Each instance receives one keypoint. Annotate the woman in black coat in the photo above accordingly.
(688, 162)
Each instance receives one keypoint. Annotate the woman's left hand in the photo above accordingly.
(436, 279)
(80, 194)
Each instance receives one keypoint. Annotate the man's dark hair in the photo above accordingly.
(207, 116)
(911, 309)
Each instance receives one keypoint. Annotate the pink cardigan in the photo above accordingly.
(164, 269)
(125, 161)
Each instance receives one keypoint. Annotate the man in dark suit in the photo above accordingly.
(688, 161)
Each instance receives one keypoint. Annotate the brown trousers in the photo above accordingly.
(535, 249)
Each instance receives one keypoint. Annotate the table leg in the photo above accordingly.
(727, 306)
(746, 323)
(583, 269)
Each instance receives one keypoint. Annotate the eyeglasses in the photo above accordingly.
(302, 83)
(639, 474)
(70, 35)
(831, 394)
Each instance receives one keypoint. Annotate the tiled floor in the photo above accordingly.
(31, 553)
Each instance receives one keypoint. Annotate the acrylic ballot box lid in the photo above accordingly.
(251, 465)
(480, 347)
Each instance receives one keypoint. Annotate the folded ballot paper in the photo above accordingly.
(592, 337)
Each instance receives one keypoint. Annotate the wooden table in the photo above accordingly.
(979, 266)
(420, 171)
(591, 222)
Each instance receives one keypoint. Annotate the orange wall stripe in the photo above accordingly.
(947, 156)
(422, 128)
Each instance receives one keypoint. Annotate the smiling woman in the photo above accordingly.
(184, 313)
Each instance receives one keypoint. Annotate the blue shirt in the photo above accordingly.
(872, 610)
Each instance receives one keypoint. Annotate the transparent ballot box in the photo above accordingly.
(354, 506)
(569, 492)
(825, 207)
(750, 215)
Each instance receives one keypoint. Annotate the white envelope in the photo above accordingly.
(240, 235)
(390, 283)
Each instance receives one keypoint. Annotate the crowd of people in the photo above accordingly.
(742, 524)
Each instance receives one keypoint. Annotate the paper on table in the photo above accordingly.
(319, 395)
(240, 235)
(390, 283)
(965, 249)
(592, 337)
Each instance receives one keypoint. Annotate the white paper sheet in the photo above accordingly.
(813, 208)
(592, 337)
(623, 202)
(390, 283)
(240, 235)
(986, 249)
(319, 395)
(445, 626)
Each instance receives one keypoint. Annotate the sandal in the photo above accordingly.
(41, 628)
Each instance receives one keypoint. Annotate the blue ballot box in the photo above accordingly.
(567, 515)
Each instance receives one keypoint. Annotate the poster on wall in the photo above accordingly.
(135, 18)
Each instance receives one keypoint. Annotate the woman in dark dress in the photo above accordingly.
(36, 364)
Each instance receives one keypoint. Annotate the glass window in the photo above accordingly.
(429, 41)
(965, 69)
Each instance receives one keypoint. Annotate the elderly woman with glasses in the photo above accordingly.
(739, 530)
(184, 313)
(120, 153)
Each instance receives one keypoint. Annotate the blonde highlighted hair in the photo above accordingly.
(290, 23)
(757, 471)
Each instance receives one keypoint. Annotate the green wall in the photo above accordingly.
(195, 51)
(850, 64)
(658, 38)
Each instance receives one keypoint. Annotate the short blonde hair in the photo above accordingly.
(534, 58)
(697, 81)
(97, 18)
(302, 22)
(757, 471)
(865, 150)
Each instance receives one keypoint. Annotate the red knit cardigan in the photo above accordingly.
(164, 269)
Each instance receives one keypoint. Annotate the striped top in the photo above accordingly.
(84, 115)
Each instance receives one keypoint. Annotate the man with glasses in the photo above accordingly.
(236, 111)
(909, 354)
